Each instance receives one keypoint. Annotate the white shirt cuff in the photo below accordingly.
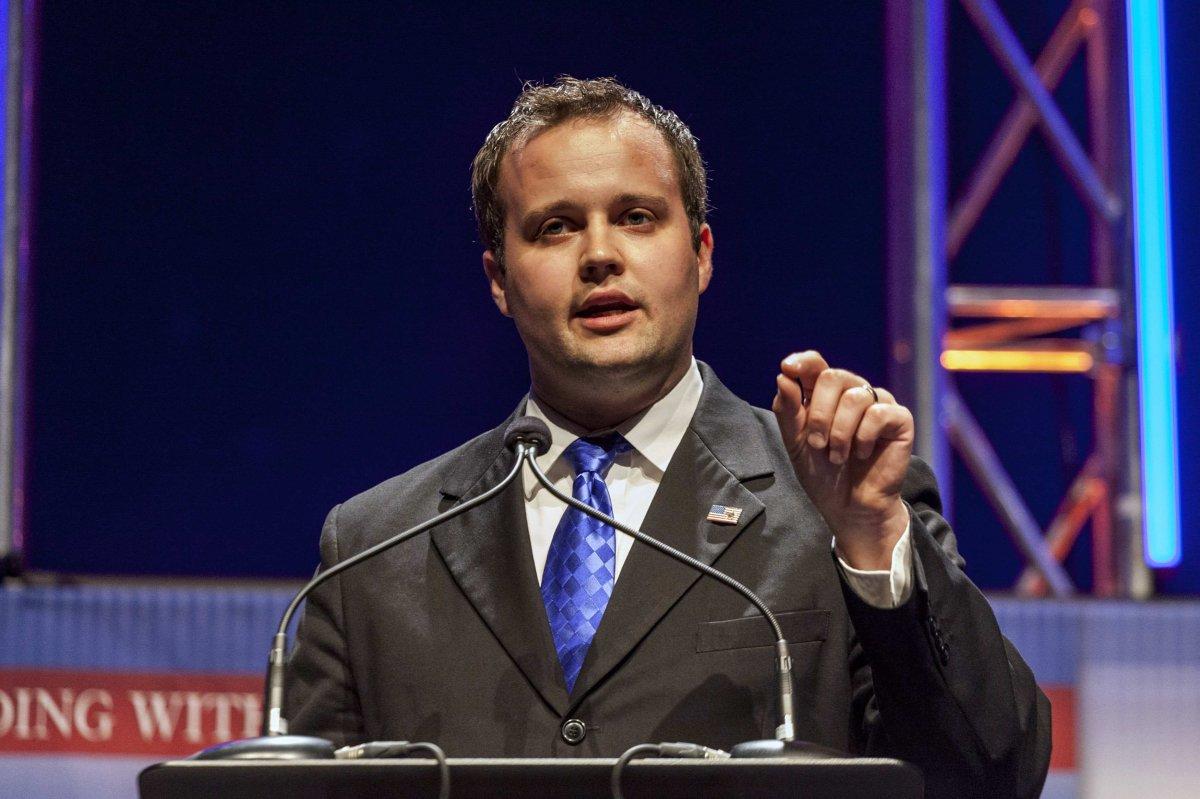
(884, 589)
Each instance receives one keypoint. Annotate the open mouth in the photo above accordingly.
(604, 309)
(607, 312)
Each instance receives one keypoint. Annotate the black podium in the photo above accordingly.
(857, 778)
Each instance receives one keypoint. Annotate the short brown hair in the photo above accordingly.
(540, 107)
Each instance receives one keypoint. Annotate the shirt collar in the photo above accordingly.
(655, 432)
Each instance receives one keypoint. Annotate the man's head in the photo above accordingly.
(605, 248)
(540, 107)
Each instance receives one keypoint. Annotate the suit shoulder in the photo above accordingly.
(412, 495)
(767, 425)
(765, 418)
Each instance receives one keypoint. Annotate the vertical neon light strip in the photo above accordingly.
(1152, 265)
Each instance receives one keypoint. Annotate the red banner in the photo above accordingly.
(1062, 730)
(170, 714)
(111, 713)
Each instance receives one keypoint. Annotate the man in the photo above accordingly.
(518, 629)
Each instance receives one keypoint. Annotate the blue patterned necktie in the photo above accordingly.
(582, 564)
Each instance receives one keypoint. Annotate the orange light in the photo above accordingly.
(1016, 361)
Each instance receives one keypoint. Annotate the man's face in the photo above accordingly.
(600, 275)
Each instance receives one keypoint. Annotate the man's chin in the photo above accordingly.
(617, 361)
(615, 368)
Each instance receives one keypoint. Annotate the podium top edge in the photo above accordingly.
(526, 762)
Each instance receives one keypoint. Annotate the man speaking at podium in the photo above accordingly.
(518, 629)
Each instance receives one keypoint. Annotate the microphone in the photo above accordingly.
(527, 436)
(528, 430)
(785, 743)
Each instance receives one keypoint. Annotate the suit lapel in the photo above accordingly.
(487, 552)
(722, 448)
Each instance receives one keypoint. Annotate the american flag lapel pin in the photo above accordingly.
(724, 514)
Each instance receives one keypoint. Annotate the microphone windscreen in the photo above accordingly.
(530, 430)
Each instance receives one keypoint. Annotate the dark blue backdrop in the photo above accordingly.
(258, 287)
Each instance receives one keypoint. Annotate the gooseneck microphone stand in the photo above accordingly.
(277, 744)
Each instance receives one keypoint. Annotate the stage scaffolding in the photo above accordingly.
(14, 274)
(938, 327)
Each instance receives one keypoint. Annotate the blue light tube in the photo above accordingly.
(1152, 267)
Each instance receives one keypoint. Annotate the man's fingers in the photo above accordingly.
(885, 396)
(789, 403)
(804, 367)
(881, 422)
(823, 403)
(835, 408)
(853, 403)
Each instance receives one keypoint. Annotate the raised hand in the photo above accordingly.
(850, 446)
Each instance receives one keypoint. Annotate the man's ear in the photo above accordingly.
(704, 256)
(496, 278)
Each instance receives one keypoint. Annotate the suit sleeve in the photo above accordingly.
(936, 684)
(321, 698)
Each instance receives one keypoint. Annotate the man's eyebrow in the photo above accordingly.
(642, 199)
(546, 210)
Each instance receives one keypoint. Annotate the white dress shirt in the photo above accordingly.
(634, 477)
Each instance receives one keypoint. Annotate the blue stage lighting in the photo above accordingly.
(1152, 263)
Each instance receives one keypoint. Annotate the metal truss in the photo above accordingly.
(1017, 328)
(14, 278)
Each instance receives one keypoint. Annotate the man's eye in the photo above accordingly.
(638, 218)
(552, 228)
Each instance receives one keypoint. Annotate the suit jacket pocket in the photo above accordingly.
(798, 626)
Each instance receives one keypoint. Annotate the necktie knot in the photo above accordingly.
(595, 455)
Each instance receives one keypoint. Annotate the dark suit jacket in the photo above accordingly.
(444, 638)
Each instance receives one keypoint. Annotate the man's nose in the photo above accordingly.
(601, 254)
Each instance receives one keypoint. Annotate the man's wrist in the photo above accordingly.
(869, 547)
(883, 589)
